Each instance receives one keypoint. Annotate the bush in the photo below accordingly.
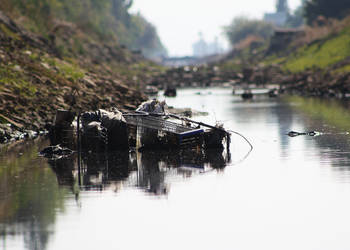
(330, 9)
(243, 27)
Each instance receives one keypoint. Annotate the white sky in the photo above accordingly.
(178, 22)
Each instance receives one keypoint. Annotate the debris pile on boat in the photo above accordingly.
(149, 127)
(103, 129)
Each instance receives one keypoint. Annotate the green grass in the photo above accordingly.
(321, 54)
(25, 88)
(8, 75)
(9, 32)
(274, 59)
(69, 70)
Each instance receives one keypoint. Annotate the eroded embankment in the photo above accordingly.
(38, 77)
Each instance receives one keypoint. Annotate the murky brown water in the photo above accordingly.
(290, 193)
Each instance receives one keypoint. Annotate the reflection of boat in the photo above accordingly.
(170, 91)
(247, 94)
(273, 93)
(152, 171)
(250, 92)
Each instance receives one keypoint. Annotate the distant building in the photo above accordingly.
(280, 17)
(201, 48)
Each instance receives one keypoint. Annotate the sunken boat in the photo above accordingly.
(113, 130)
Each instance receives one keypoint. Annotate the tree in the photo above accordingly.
(330, 9)
(145, 38)
(243, 27)
(104, 20)
(120, 9)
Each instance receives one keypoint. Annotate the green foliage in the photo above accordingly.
(145, 37)
(38, 13)
(329, 9)
(120, 10)
(106, 21)
(243, 27)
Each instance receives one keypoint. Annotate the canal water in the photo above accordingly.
(287, 193)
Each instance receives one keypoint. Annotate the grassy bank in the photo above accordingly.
(324, 48)
(318, 55)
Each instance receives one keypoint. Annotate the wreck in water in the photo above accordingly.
(113, 130)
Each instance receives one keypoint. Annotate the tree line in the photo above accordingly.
(307, 13)
(105, 20)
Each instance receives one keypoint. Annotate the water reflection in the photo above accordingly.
(32, 194)
(285, 187)
(332, 119)
(29, 196)
(156, 169)
(151, 171)
(273, 119)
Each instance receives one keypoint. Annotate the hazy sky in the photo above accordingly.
(178, 22)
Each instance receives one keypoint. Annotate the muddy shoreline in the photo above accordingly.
(11, 133)
(308, 83)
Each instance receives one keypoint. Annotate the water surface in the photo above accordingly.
(289, 193)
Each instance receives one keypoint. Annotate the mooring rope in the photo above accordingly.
(234, 132)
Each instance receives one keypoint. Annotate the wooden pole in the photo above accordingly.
(79, 149)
